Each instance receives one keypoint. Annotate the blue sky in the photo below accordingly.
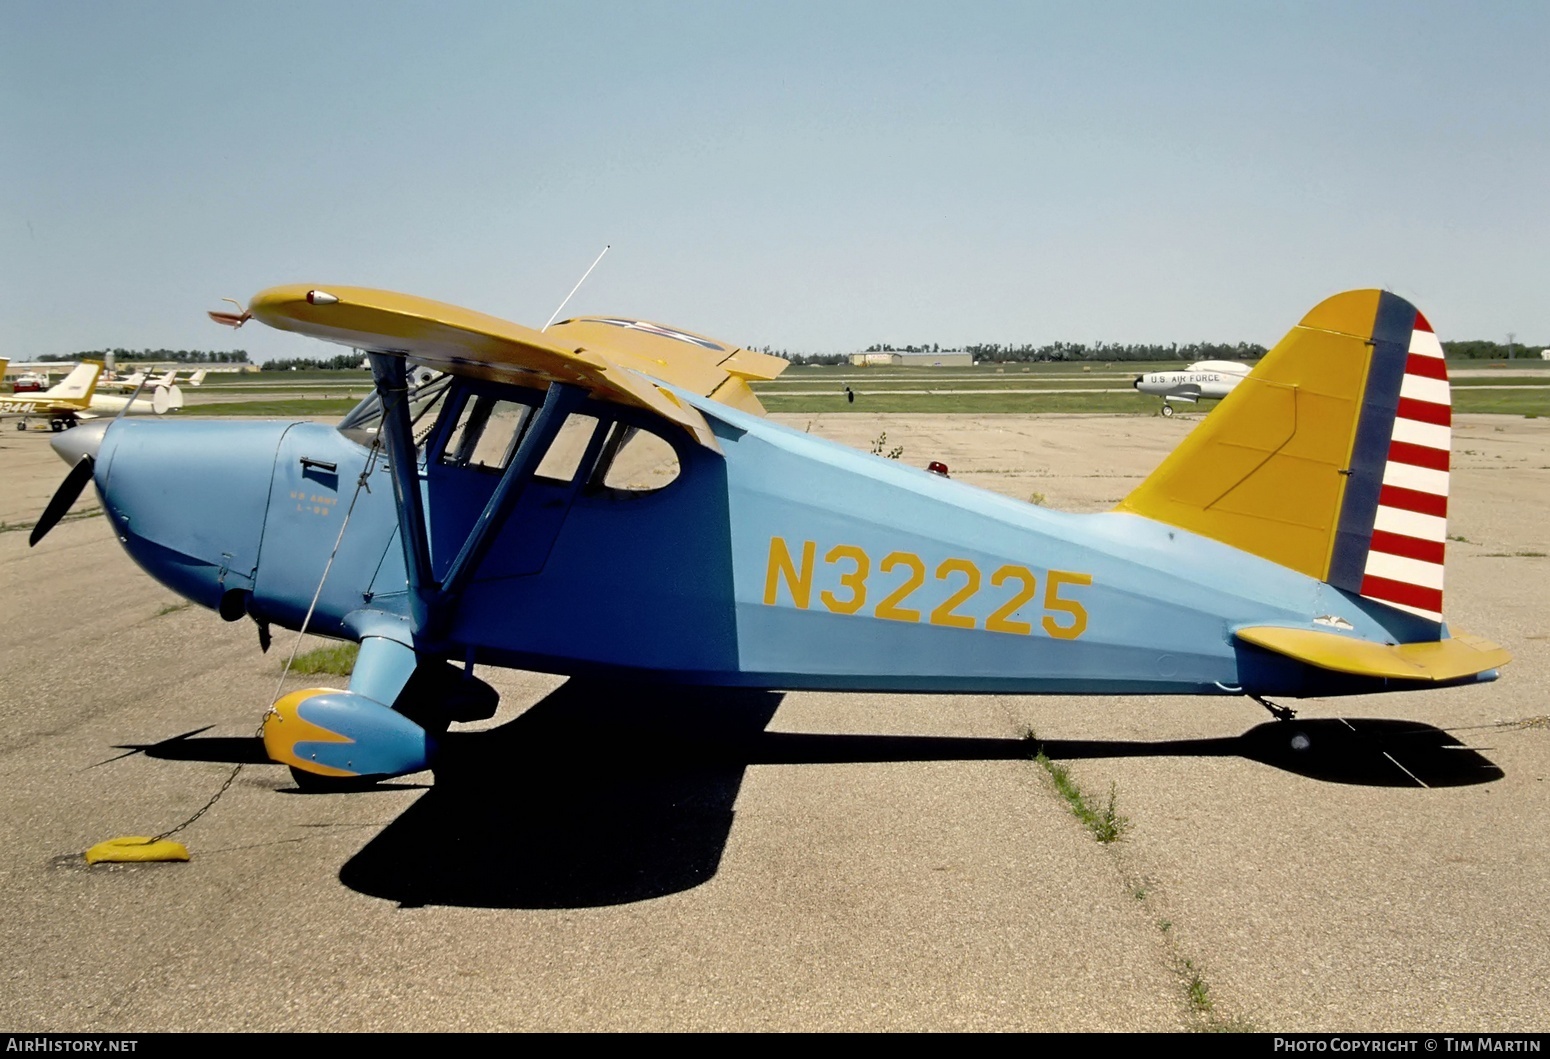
(814, 177)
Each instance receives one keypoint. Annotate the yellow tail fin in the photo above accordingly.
(1330, 458)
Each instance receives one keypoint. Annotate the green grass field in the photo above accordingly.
(965, 403)
(1503, 380)
(1529, 401)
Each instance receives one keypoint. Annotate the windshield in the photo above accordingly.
(426, 389)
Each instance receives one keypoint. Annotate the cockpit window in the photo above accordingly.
(486, 434)
(563, 458)
(635, 461)
(614, 457)
(426, 392)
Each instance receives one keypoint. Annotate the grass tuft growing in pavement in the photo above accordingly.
(1199, 992)
(1106, 823)
(337, 659)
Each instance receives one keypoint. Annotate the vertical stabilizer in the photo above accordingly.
(1331, 458)
(77, 387)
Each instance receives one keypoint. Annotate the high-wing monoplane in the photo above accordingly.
(604, 498)
(121, 383)
(165, 396)
(1202, 380)
(130, 383)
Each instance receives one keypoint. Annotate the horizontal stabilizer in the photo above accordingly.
(1460, 656)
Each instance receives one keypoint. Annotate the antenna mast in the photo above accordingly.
(576, 288)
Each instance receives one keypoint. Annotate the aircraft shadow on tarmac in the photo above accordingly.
(602, 794)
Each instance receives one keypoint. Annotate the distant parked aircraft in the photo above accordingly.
(64, 404)
(1210, 379)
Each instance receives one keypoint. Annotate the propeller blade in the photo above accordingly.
(122, 412)
(68, 492)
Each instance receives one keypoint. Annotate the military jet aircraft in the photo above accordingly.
(604, 498)
(1202, 380)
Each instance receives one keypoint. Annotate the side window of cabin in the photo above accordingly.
(616, 458)
(569, 447)
(635, 461)
(486, 434)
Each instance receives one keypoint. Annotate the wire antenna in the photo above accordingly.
(574, 289)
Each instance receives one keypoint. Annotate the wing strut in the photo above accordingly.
(389, 373)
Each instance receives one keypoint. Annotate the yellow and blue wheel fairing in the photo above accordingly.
(330, 732)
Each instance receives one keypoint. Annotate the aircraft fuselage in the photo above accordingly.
(781, 561)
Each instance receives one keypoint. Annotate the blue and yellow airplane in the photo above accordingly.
(604, 498)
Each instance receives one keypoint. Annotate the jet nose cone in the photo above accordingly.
(1137, 383)
(78, 441)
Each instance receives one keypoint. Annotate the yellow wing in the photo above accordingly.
(618, 359)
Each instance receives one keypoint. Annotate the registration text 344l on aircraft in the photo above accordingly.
(605, 498)
(62, 405)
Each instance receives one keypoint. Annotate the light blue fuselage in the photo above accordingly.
(782, 561)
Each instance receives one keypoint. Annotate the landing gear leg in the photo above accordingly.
(1280, 713)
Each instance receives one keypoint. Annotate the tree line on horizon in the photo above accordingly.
(994, 353)
(343, 362)
(181, 356)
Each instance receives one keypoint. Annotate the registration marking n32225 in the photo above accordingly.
(900, 574)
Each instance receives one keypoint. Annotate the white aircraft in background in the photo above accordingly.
(1208, 379)
(128, 383)
(123, 384)
(163, 399)
(131, 383)
(65, 404)
(165, 396)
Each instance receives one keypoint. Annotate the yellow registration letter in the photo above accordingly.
(855, 580)
(1055, 605)
(798, 582)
